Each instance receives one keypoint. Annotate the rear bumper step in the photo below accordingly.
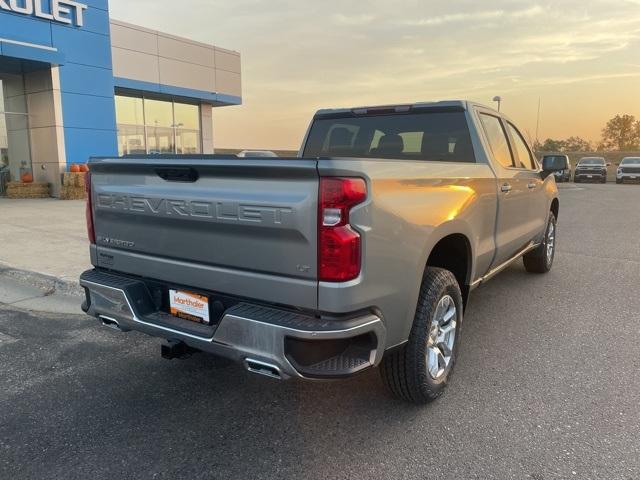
(268, 341)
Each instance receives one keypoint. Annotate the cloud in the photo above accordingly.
(480, 16)
(352, 20)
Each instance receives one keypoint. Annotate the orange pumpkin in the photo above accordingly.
(26, 177)
(75, 168)
(84, 167)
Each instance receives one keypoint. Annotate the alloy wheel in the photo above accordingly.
(442, 335)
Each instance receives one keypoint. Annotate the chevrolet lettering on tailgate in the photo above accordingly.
(217, 211)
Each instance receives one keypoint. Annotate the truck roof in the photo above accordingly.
(443, 104)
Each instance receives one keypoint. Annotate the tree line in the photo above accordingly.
(621, 133)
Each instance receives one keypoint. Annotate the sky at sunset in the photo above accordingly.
(580, 57)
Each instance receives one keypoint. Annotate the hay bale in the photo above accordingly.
(73, 179)
(72, 192)
(18, 190)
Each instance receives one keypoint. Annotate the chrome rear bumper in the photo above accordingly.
(247, 333)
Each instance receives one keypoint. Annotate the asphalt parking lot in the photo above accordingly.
(547, 386)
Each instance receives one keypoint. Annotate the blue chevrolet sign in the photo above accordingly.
(63, 11)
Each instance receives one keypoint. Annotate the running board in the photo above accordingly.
(494, 271)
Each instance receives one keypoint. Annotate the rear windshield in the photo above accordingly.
(557, 159)
(631, 161)
(432, 136)
(592, 161)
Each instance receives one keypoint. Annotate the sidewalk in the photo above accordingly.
(47, 236)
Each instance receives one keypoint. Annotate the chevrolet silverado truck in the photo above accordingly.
(628, 170)
(591, 169)
(361, 252)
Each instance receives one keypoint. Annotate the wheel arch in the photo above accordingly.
(453, 251)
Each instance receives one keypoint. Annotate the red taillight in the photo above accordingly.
(338, 244)
(90, 229)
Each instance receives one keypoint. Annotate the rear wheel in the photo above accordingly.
(540, 260)
(419, 371)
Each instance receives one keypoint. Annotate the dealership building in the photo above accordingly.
(75, 83)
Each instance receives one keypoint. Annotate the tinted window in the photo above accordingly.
(497, 140)
(525, 159)
(591, 161)
(559, 160)
(554, 162)
(435, 136)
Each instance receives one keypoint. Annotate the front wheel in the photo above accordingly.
(419, 371)
(540, 260)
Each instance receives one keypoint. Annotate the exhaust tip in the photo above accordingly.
(262, 368)
(111, 323)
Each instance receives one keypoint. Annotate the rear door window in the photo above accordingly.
(430, 136)
(497, 140)
(524, 156)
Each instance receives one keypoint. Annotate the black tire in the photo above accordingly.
(405, 370)
(537, 261)
(618, 181)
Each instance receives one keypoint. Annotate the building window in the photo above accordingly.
(153, 126)
(158, 116)
(187, 127)
(130, 118)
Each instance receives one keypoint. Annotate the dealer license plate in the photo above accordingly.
(633, 177)
(189, 306)
(589, 176)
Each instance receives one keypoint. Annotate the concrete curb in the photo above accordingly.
(49, 284)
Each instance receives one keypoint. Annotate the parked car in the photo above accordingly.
(257, 154)
(628, 170)
(361, 252)
(591, 169)
(562, 162)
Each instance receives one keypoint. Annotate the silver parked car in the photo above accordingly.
(628, 170)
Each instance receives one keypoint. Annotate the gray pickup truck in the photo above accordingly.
(360, 252)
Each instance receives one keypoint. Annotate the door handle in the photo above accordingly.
(505, 188)
(531, 186)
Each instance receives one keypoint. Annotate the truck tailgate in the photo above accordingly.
(215, 223)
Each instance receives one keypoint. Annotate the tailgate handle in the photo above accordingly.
(177, 174)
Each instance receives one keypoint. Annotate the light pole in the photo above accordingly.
(175, 127)
(498, 99)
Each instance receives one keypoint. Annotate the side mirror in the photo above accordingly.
(608, 164)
